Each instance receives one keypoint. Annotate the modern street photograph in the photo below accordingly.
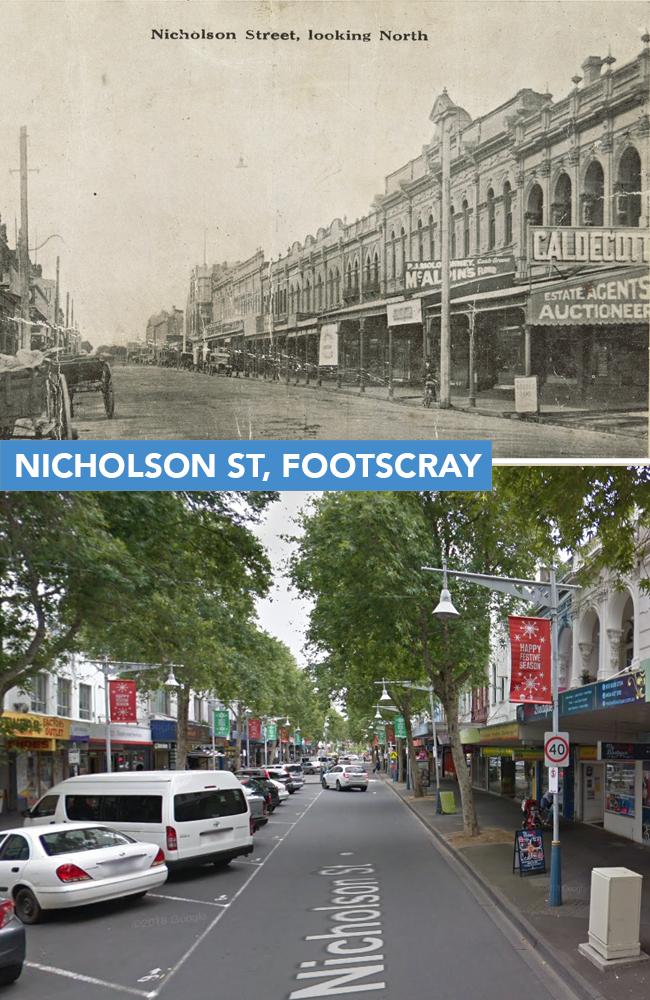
(307, 745)
(327, 220)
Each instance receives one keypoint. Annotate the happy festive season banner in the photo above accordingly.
(530, 646)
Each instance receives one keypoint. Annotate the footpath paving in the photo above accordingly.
(555, 931)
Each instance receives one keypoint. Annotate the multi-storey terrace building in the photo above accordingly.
(574, 313)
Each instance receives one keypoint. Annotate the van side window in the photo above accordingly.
(192, 806)
(46, 807)
(115, 808)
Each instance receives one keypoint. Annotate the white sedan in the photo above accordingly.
(73, 864)
(282, 791)
(346, 776)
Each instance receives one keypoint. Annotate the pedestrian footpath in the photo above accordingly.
(555, 931)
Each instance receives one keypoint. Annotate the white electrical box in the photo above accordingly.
(615, 912)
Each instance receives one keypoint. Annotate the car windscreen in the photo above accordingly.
(354, 769)
(91, 838)
(209, 804)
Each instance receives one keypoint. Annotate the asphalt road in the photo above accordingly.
(411, 928)
(158, 403)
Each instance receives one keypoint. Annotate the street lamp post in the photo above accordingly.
(544, 594)
(116, 667)
(418, 687)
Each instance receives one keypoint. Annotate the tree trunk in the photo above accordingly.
(182, 716)
(412, 758)
(400, 760)
(470, 822)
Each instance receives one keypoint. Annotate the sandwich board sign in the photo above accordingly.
(528, 854)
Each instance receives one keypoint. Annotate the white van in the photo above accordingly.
(195, 816)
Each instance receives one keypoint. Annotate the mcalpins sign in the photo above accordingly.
(590, 245)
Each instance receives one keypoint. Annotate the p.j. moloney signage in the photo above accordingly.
(589, 245)
(428, 273)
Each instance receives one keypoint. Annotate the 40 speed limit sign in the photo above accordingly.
(556, 749)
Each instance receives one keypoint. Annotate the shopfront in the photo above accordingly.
(131, 747)
(163, 734)
(37, 757)
(627, 789)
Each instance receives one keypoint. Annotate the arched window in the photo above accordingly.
(452, 231)
(465, 229)
(368, 271)
(401, 259)
(562, 201)
(507, 213)
(628, 189)
(319, 293)
(307, 296)
(432, 248)
(356, 274)
(391, 258)
(420, 241)
(491, 220)
(337, 285)
(298, 297)
(593, 195)
(375, 269)
(348, 279)
(535, 206)
(330, 287)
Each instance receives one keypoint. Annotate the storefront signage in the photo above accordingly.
(589, 245)
(163, 730)
(528, 855)
(502, 731)
(526, 395)
(497, 752)
(400, 727)
(623, 751)
(621, 690)
(129, 734)
(32, 744)
(46, 726)
(74, 757)
(428, 273)
(578, 700)
(623, 299)
(328, 348)
(530, 645)
(122, 698)
(198, 733)
(221, 723)
(254, 729)
(403, 313)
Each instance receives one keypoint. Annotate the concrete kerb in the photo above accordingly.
(578, 985)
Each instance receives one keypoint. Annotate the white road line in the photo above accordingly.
(208, 930)
(79, 977)
(184, 899)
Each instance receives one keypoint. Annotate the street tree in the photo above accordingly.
(359, 559)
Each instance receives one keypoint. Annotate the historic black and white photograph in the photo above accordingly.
(327, 220)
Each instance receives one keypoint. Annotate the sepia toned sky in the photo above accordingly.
(137, 141)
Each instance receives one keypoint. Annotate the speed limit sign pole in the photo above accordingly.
(555, 889)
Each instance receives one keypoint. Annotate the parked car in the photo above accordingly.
(74, 864)
(281, 789)
(296, 773)
(279, 773)
(258, 809)
(310, 765)
(194, 816)
(12, 943)
(264, 787)
(346, 776)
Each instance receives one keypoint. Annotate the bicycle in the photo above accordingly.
(429, 396)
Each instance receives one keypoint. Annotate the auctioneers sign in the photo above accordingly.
(623, 299)
(589, 245)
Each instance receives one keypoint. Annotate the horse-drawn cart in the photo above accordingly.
(37, 395)
(87, 373)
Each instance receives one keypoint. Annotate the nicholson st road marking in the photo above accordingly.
(355, 937)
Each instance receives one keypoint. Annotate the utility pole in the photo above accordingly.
(56, 303)
(23, 253)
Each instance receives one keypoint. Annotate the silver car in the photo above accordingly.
(297, 774)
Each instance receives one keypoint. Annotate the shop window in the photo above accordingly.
(85, 701)
(619, 789)
(161, 702)
(192, 806)
(63, 696)
(507, 213)
(39, 693)
(628, 189)
(491, 218)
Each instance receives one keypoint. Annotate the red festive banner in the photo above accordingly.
(390, 734)
(255, 729)
(530, 645)
(122, 697)
(284, 735)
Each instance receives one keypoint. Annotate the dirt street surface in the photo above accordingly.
(158, 403)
